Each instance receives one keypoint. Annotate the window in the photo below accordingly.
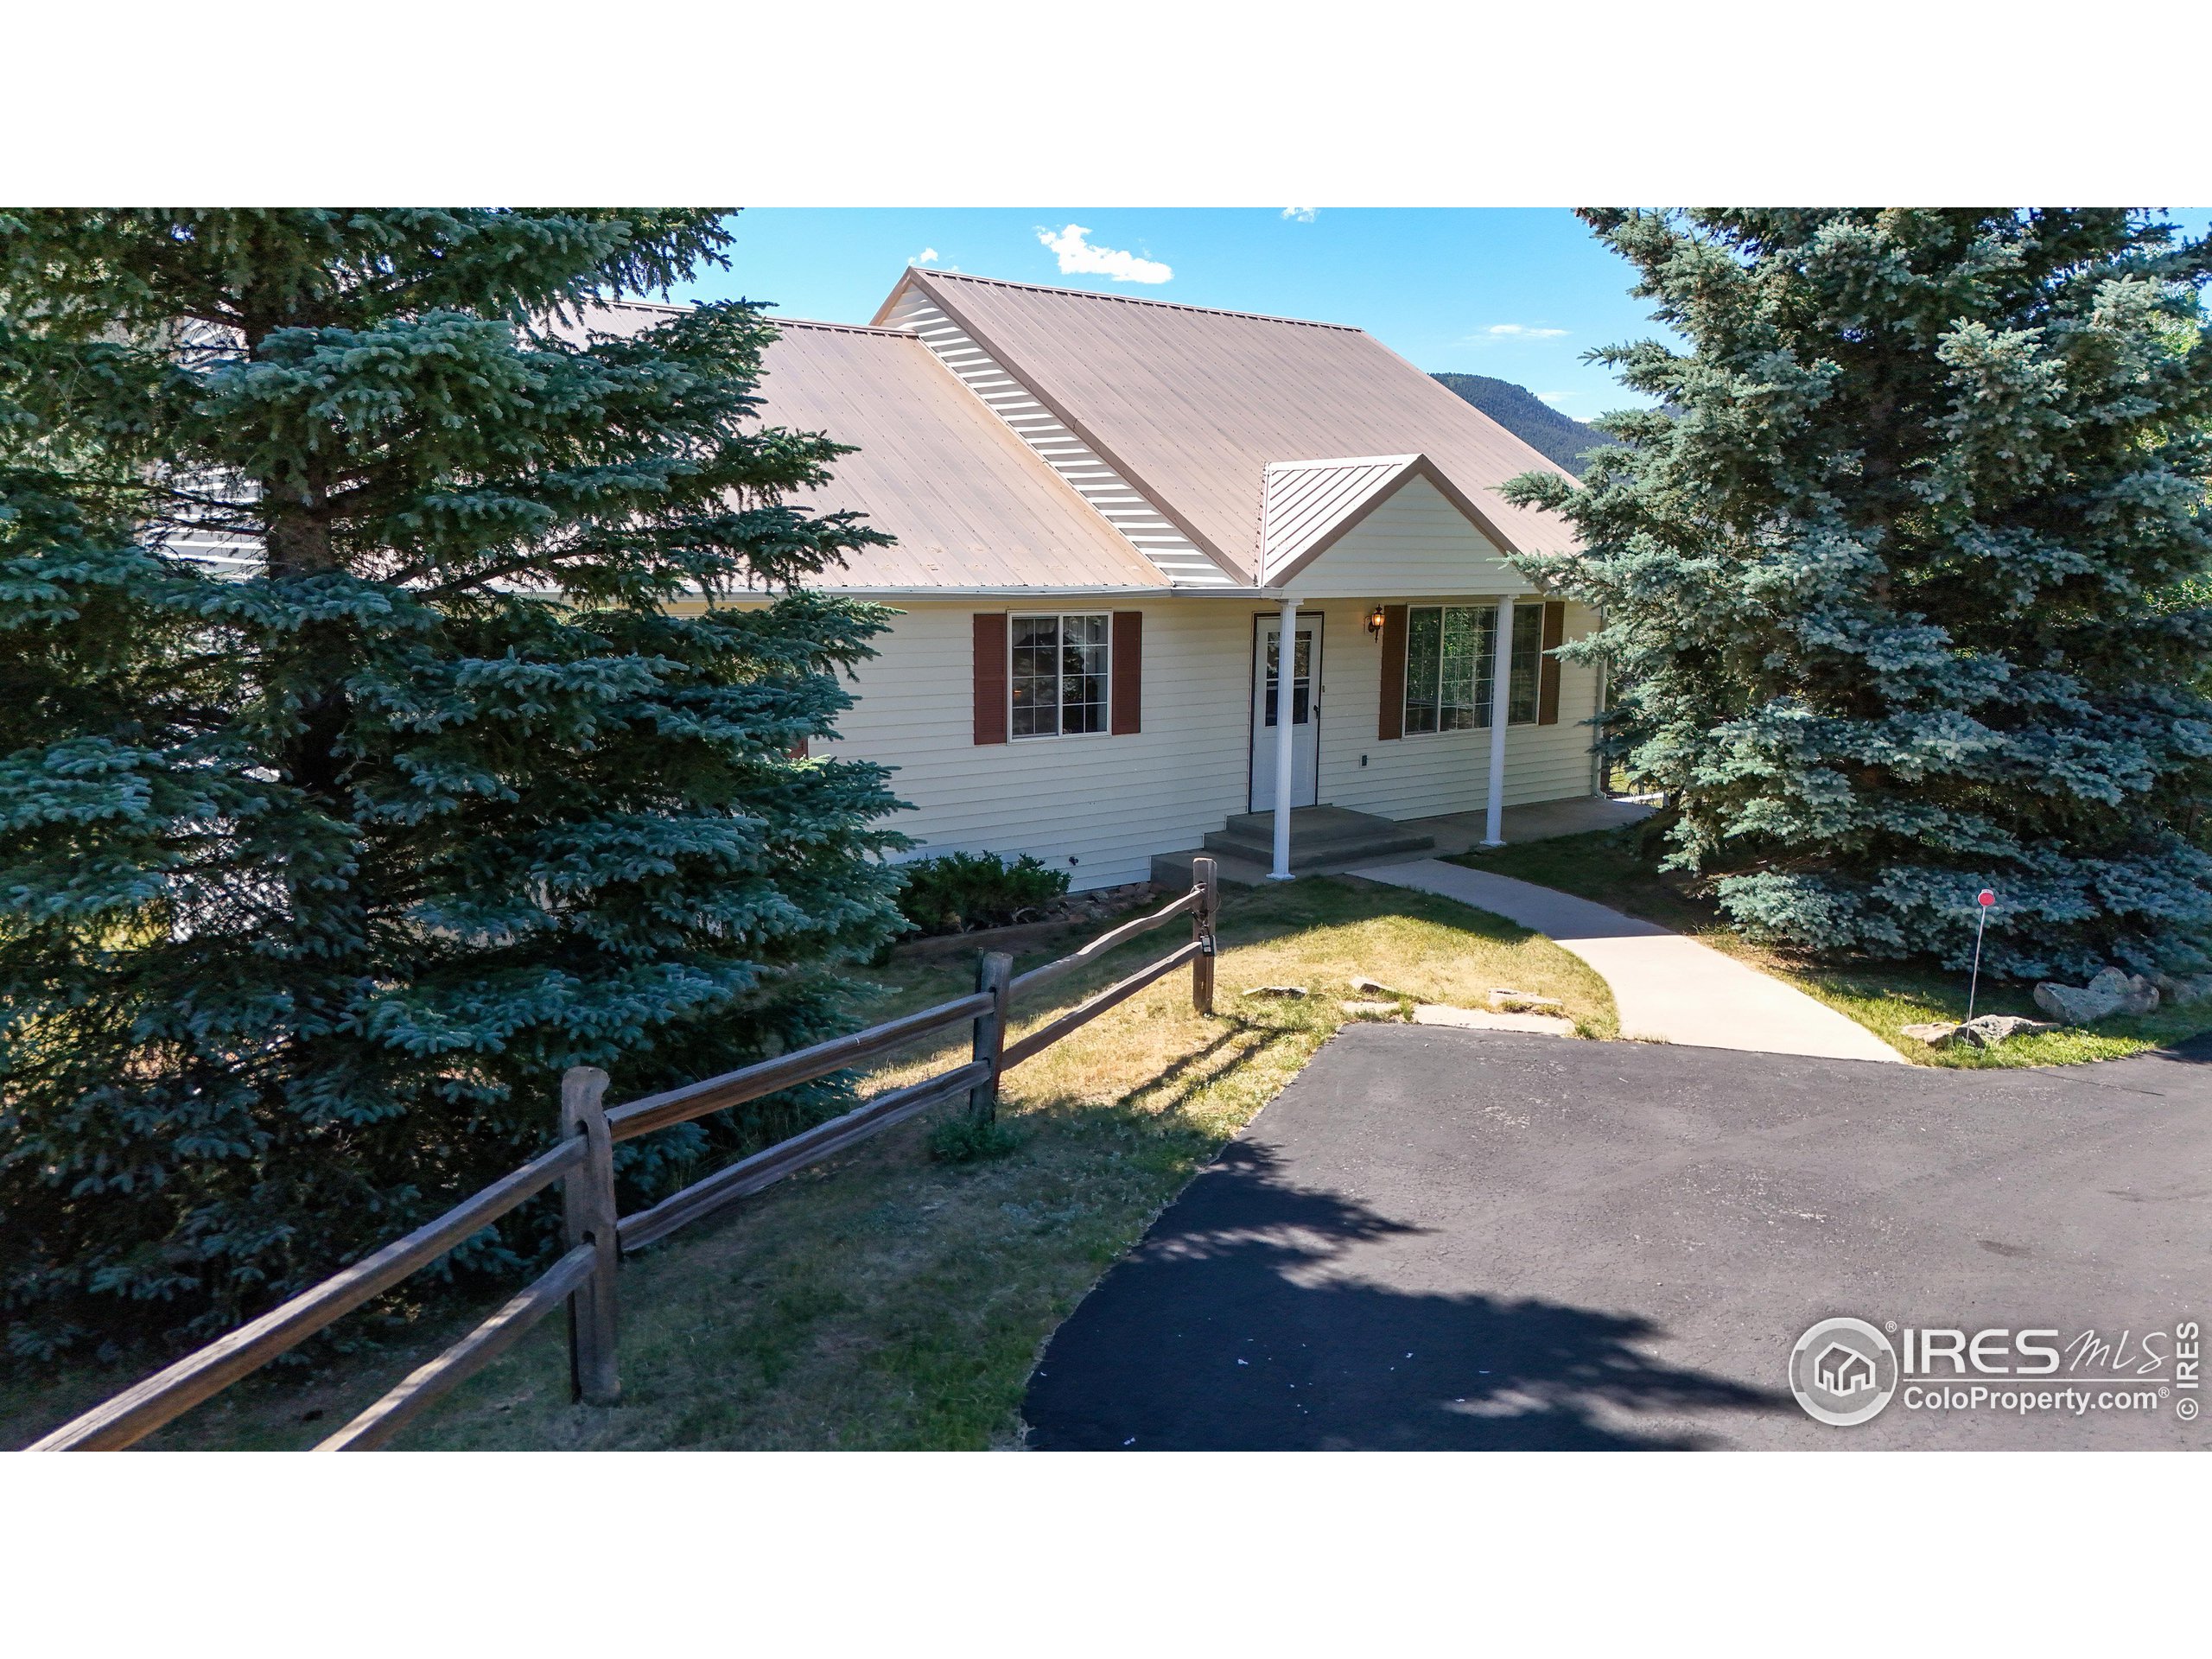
(1449, 655)
(1060, 670)
(1301, 674)
(1448, 667)
(1527, 665)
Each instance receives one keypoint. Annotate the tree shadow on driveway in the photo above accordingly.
(1226, 1330)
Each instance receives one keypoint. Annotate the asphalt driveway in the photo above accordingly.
(1446, 1239)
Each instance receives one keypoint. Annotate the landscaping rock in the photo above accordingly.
(1988, 1030)
(1274, 990)
(1374, 987)
(2073, 1006)
(2111, 992)
(1523, 1001)
(2137, 994)
(2181, 992)
(1431, 1013)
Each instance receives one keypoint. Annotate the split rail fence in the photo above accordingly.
(583, 1162)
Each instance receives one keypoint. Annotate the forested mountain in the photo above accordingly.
(1528, 417)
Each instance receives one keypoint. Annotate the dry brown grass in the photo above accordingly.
(891, 1301)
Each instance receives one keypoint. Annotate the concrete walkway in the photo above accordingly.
(1665, 986)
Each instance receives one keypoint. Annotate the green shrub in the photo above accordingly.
(956, 892)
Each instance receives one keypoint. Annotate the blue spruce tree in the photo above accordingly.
(1897, 579)
(373, 743)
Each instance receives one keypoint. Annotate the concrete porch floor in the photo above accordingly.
(1458, 832)
(1448, 834)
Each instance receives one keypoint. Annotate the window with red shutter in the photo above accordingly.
(990, 677)
(1128, 692)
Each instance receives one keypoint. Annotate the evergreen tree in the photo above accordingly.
(1890, 577)
(374, 743)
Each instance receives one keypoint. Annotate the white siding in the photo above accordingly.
(1415, 545)
(1118, 500)
(1442, 771)
(1110, 803)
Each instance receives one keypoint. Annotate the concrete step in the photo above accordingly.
(1319, 836)
(1310, 820)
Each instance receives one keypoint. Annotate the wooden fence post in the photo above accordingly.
(994, 979)
(1206, 873)
(587, 1206)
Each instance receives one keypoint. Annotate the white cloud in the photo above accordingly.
(1521, 331)
(926, 257)
(1557, 397)
(1079, 257)
(1303, 215)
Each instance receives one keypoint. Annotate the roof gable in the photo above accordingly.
(1308, 506)
(1193, 405)
(1304, 505)
(1121, 503)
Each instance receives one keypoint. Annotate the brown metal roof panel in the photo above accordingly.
(1304, 499)
(1195, 404)
(970, 504)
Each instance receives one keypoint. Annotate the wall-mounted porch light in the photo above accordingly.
(1375, 619)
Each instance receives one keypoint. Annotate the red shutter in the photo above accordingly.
(1392, 721)
(991, 678)
(1547, 675)
(1128, 694)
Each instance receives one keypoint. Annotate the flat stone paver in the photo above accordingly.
(1665, 986)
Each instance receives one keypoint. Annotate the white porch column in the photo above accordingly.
(1285, 674)
(1501, 690)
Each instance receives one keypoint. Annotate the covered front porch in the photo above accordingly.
(1325, 840)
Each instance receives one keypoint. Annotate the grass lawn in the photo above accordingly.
(887, 1302)
(1885, 997)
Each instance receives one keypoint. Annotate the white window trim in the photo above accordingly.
(1483, 682)
(1528, 606)
(1106, 730)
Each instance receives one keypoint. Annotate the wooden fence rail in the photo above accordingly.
(583, 1279)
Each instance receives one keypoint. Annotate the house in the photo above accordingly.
(1108, 511)
(1843, 1371)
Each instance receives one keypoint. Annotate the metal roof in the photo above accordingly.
(971, 506)
(1304, 504)
(1191, 405)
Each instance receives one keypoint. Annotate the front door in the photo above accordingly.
(1305, 712)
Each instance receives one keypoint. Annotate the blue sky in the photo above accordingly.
(1518, 293)
(1447, 288)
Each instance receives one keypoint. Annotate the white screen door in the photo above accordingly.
(1305, 708)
